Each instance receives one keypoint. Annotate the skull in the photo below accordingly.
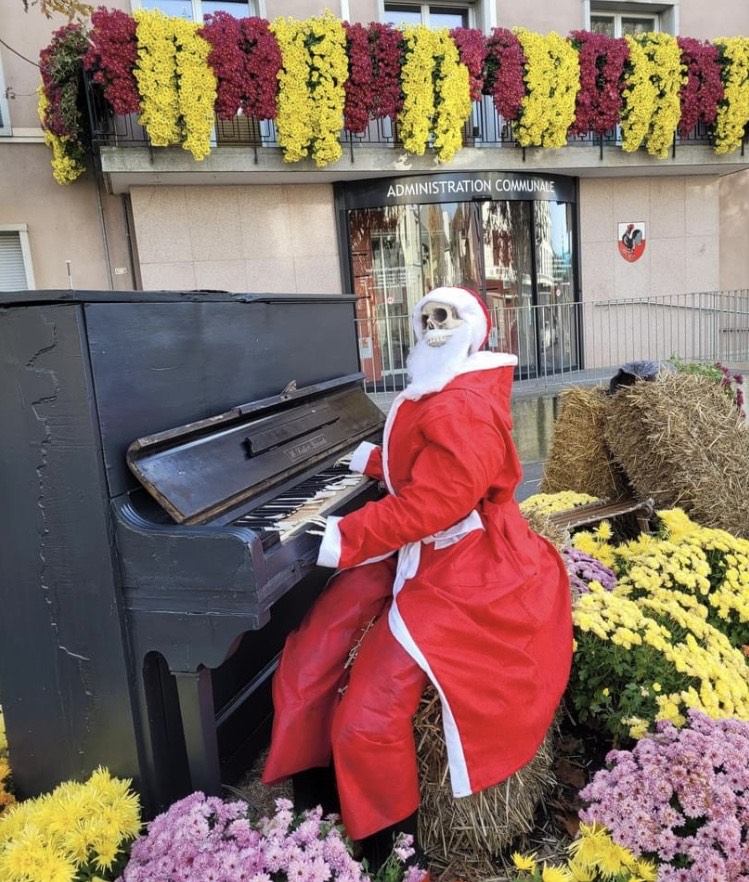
(438, 321)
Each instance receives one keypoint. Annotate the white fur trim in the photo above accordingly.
(456, 760)
(360, 457)
(479, 361)
(468, 307)
(330, 548)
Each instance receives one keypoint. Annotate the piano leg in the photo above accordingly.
(195, 692)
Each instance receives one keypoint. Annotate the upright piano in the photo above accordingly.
(161, 455)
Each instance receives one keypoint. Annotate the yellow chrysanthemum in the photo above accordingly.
(524, 861)
(176, 85)
(552, 78)
(733, 110)
(311, 82)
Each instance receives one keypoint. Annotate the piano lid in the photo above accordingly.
(200, 471)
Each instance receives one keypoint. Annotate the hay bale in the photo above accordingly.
(579, 458)
(463, 837)
(681, 441)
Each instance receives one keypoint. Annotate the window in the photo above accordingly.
(619, 19)
(195, 10)
(5, 128)
(433, 15)
(15, 258)
(619, 25)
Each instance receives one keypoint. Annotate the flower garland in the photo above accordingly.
(373, 89)
(505, 72)
(436, 100)
(702, 91)
(112, 56)
(552, 79)
(417, 77)
(599, 102)
(651, 93)
(178, 89)
(74, 833)
(246, 60)
(452, 97)
(472, 50)
(62, 123)
(319, 76)
(733, 112)
(311, 94)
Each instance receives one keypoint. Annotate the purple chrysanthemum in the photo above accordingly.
(584, 569)
(680, 798)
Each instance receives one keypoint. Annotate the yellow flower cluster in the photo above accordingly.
(651, 96)
(76, 826)
(733, 111)
(593, 855)
(436, 93)
(66, 168)
(452, 96)
(552, 78)
(549, 503)
(417, 76)
(717, 677)
(311, 94)
(176, 85)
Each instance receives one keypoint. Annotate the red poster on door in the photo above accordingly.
(631, 241)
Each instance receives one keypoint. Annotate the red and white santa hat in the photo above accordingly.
(469, 306)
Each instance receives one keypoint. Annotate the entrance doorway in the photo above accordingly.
(517, 254)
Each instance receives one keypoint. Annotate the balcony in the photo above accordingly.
(245, 151)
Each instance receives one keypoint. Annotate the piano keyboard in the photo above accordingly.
(288, 512)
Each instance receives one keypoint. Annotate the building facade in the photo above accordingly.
(527, 227)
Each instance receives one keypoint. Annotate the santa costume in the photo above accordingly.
(461, 592)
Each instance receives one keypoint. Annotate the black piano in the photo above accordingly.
(161, 454)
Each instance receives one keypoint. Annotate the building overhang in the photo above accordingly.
(126, 167)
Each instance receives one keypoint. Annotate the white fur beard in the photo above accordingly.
(432, 367)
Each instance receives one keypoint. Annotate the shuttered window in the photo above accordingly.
(14, 273)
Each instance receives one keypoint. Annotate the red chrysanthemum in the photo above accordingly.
(112, 56)
(246, 59)
(505, 72)
(373, 87)
(701, 94)
(472, 50)
(599, 101)
(60, 66)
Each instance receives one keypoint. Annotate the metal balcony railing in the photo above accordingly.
(485, 128)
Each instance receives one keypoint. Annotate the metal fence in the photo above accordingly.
(580, 343)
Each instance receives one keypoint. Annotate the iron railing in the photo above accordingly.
(485, 128)
(580, 343)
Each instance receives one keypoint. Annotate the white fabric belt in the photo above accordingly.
(409, 555)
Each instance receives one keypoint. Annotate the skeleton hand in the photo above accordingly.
(316, 520)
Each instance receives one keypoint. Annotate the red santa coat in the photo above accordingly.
(481, 603)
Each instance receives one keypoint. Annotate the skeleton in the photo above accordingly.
(438, 322)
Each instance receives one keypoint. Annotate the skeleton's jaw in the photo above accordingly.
(437, 338)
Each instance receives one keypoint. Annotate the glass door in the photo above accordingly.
(557, 313)
(508, 275)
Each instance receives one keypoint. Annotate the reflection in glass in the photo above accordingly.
(517, 254)
(508, 279)
(555, 295)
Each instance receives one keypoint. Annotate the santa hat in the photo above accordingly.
(469, 306)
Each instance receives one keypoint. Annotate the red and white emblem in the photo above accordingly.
(631, 241)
